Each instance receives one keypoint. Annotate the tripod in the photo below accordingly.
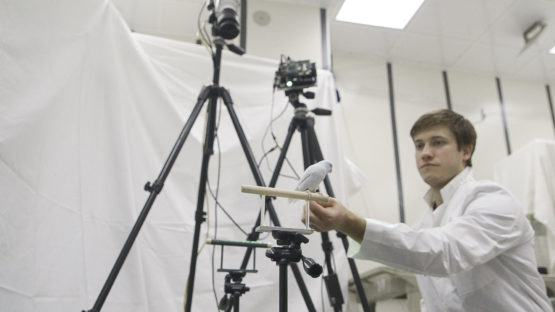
(233, 290)
(212, 94)
(288, 252)
(312, 154)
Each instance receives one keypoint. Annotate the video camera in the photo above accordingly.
(224, 18)
(293, 75)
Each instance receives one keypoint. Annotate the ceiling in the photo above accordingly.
(484, 36)
(479, 36)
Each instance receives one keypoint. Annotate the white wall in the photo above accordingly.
(293, 31)
(528, 113)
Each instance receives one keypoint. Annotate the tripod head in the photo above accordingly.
(294, 95)
(234, 289)
(300, 108)
(236, 276)
(289, 238)
(289, 250)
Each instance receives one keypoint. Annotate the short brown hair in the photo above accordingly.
(461, 128)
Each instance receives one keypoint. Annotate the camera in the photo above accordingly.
(226, 22)
(293, 75)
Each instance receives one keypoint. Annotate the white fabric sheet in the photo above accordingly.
(88, 113)
(529, 173)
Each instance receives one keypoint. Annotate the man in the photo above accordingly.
(472, 251)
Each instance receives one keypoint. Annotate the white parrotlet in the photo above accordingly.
(313, 176)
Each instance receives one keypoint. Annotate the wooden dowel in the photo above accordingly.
(270, 191)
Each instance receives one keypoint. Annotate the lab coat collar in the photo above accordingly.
(449, 190)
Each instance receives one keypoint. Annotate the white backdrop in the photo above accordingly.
(88, 113)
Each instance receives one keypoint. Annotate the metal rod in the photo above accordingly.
(254, 244)
(395, 144)
(503, 115)
(550, 105)
(447, 93)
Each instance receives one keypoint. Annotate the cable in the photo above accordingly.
(272, 119)
(276, 146)
(201, 31)
(227, 214)
(264, 156)
(215, 196)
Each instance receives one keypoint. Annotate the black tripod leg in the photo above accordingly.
(283, 287)
(236, 302)
(258, 178)
(199, 215)
(343, 237)
(154, 190)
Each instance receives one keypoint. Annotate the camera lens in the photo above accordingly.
(227, 22)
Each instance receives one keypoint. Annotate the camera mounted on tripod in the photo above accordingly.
(224, 18)
(295, 75)
(225, 22)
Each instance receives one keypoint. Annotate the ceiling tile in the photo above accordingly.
(496, 60)
(369, 40)
(509, 29)
(430, 50)
(467, 19)
(541, 68)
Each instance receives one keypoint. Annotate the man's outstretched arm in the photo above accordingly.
(332, 215)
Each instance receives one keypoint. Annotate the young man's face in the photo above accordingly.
(437, 156)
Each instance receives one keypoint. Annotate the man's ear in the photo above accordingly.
(467, 152)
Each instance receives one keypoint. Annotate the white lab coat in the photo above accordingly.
(473, 253)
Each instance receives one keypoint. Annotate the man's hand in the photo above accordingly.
(332, 215)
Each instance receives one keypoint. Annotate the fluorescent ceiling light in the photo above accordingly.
(384, 13)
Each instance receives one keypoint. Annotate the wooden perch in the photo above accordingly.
(270, 191)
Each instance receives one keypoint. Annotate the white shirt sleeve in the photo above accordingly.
(489, 226)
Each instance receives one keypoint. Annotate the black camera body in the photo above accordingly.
(224, 18)
(292, 75)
